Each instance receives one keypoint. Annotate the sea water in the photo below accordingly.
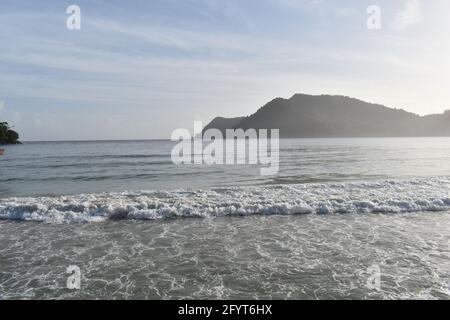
(138, 226)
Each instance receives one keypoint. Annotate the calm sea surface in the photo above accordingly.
(138, 226)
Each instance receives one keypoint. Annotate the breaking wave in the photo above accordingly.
(387, 196)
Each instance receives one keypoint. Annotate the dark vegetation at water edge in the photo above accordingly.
(8, 136)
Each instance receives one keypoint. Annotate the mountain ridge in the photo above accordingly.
(321, 116)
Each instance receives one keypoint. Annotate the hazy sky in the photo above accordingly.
(140, 69)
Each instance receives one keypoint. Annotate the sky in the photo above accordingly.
(140, 69)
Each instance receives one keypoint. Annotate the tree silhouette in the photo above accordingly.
(8, 136)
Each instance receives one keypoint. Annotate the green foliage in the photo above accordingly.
(8, 136)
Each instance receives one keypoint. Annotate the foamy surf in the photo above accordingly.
(387, 196)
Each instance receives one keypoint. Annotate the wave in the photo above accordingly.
(386, 196)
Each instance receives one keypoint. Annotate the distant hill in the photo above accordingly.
(308, 116)
(223, 123)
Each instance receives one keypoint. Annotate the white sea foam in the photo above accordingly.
(387, 196)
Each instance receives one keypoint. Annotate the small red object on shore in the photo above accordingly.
(2, 152)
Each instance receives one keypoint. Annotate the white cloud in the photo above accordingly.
(410, 16)
(319, 7)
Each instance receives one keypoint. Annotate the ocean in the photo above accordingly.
(343, 219)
